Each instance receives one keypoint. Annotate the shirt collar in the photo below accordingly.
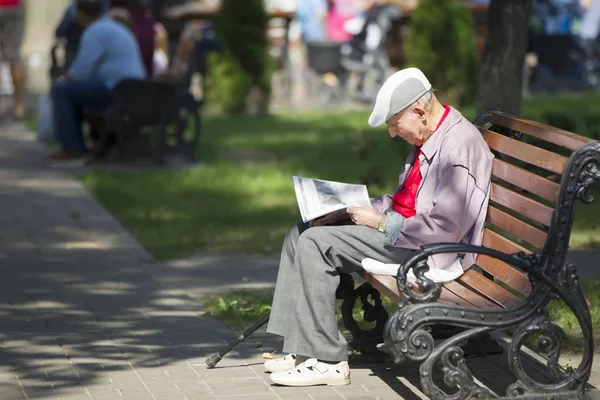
(449, 119)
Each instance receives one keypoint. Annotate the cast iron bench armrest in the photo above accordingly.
(430, 291)
(406, 337)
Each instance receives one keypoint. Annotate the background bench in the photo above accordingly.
(520, 267)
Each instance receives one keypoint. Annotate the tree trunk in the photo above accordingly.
(501, 76)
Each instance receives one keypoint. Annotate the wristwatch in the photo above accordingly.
(381, 224)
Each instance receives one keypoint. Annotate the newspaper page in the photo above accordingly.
(318, 197)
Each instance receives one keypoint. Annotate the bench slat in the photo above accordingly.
(523, 205)
(524, 179)
(386, 285)
(488, 288)
(470, 297)
(498, 242)
(525, 152)
(449, 297)
(548, 133)
(505, 273)
(516, 227)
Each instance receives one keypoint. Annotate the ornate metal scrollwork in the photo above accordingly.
(551, 340)
(566, 288)
(588, 175)
(365, 340)
(582, 170)
(406, 336)
(531, 259)
(550, 346)
(454, 369)
(429, 291)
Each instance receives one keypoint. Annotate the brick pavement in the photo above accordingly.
(87, 314)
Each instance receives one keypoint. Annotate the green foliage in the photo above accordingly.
(442, 44)
(229, 85)
(246, 62)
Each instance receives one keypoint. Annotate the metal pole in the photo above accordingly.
(213, 360)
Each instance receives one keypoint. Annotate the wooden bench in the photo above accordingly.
(520, 267)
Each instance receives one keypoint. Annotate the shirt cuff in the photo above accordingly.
(393, 226)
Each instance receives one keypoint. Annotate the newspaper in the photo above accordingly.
(318, 197)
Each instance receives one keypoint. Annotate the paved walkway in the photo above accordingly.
(86, 313)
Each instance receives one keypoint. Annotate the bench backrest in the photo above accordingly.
(524, 193)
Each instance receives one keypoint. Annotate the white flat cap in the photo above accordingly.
(398, 92)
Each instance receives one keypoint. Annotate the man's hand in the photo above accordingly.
(331, 218)
(364, 216)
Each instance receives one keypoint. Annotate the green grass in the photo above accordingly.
(561, 315)
(240, 309)
(243, 199)
(31, 122)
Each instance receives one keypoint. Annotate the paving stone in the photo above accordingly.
(249, 397)
(191, 389)
(301, 396)
(329, 396)
(316, 391)
(167, 374)
(254, 387)
(225, 372)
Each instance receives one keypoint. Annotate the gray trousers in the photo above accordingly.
(304, 304)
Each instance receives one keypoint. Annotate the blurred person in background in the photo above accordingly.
(590, 27)
(121, 15)
(160, 58)
(590, 24)
(340, 12)
(312, 16)
(108, 52)
(69, 31)
(12, 25)
(174, 28)
(142, 24)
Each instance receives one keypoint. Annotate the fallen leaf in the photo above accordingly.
(258, 344)
(267, 355)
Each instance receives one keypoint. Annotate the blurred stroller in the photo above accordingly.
(366, 53)
(328, 77)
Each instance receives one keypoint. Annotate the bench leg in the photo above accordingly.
(364, 340)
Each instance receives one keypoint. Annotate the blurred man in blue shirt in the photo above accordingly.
(312, 15)
(70, 31)
(108, 52)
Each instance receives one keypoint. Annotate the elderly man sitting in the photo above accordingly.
(442, 196)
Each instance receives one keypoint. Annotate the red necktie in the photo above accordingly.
(404, 201)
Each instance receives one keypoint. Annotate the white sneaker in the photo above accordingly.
(284, 363)
(313, 372)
